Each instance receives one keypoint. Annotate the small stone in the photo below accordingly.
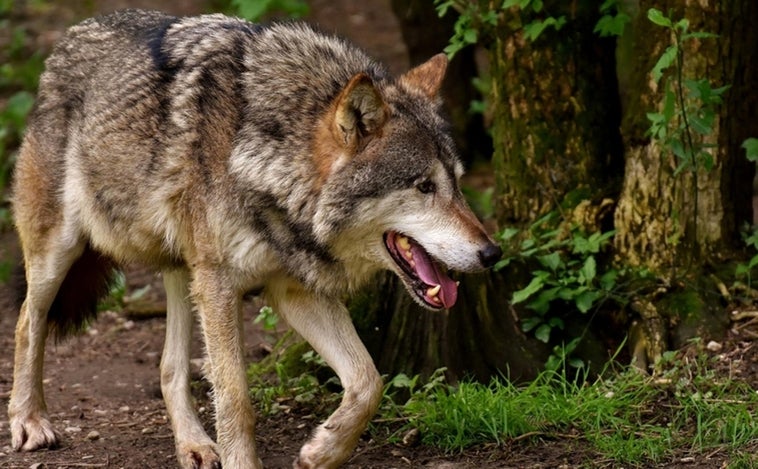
(714, 346)
(93, 435)
(124, 408)
(72, 429)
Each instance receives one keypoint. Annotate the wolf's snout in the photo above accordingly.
(490, 255)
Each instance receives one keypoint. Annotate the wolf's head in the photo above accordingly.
(389, 176)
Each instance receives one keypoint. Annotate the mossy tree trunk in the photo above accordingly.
(682, 225)
(556, 113)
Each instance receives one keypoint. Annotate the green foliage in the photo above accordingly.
(613, 21)
(293, 374)
(564, 265)
(19, 73)
(480, 201)
(255, 10)
(534, 26)
(473, 19)
(477, 19)
(689, 106)
(744, 271)
(751, 149)
(268, 318)
(116, 294)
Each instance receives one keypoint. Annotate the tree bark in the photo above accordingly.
(555, 127)
(676, 225)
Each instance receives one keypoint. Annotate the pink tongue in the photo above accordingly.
(430, 274)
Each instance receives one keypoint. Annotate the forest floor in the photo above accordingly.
(103, 389)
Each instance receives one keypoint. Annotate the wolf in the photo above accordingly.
(232, 157)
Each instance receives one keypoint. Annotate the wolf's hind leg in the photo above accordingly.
(325, 323)
(194, 448)
(45, 271)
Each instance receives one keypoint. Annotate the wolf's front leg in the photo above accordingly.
(325, 323)
(194, 448)
(220, 316)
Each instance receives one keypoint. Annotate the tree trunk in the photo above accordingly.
(555, 127)
(677, 224)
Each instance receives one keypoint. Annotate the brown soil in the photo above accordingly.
(103, 389)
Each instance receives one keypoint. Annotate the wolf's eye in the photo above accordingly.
(426, 186)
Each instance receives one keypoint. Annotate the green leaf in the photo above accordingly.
(751, 148)
(608, 279)
(470, 36)
(702, 123)
(667, 58)
(543, 333)
(609, 25)
(706, 160)
(541, 304)
(507, 234)
(402, 381)
(669, 104)
(503, 263)
(534, 29)
(551, 261)
(656, 16)
(534, 286)
(589, 269)
(443, 6)
(530, 323)
(585, 301)
(699, 35)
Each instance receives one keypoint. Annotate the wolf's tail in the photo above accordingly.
(87, 281)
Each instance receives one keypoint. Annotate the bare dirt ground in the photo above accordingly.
(103, 388)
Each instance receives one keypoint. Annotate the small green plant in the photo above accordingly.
(115, 299)
(567, 271)
(744, 271)
(613, 21)
(268, 318)
(293, 374)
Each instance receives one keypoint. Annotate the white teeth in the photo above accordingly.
(432, 292)
(403, 243)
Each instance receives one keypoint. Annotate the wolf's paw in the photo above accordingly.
(312, 458)
(32, 433)
(198, 456)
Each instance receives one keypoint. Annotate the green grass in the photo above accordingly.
(688, 409)
(629, 418)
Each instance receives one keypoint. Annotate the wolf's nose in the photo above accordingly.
(490, 255)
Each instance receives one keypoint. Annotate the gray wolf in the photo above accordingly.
(232, 157)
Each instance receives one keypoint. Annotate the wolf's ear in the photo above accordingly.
(360, 112)
(427, 77)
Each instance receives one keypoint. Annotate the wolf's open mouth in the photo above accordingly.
(422, 274)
